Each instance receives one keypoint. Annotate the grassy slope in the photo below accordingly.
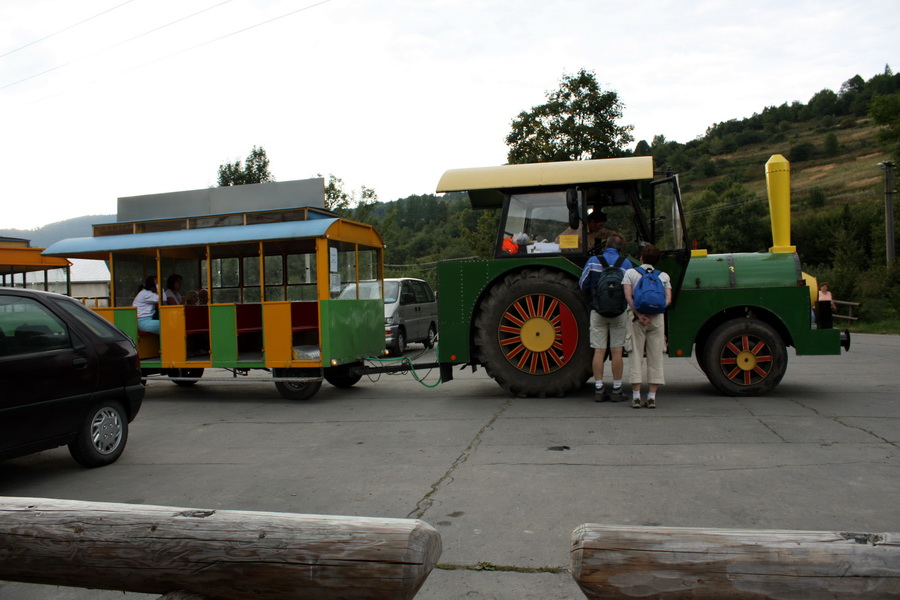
(853, 176)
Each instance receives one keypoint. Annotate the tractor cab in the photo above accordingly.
(569, 209)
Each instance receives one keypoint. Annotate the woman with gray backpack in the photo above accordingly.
(648, 292)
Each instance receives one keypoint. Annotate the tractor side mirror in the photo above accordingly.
(572, 205)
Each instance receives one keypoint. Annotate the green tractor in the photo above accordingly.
(522, 316)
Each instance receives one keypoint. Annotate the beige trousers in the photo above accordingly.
(652, 339)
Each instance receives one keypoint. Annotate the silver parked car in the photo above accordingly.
(410, 311)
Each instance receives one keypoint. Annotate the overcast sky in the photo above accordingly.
(108, 98)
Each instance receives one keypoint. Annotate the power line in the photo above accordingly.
(233, 33)
(114, 45)
(227, 35)
(66, 28)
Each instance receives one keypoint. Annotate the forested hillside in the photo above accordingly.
(48, 234)
(838, 221)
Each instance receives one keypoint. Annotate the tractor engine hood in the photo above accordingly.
(743, 270)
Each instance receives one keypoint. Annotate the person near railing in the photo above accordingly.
(826, 307)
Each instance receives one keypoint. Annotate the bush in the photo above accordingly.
(832, 147)
(815, 198)
(802, 151)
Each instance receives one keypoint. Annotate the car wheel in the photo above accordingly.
(295, 390)
(341, 376)
(531, 336)
(432, 336)
(400, 346)
(185, 373)
(744, 357)
(102, 435)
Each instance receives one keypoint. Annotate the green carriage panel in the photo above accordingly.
(351, 330)
(223, 335)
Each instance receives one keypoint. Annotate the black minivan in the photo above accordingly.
(67, 377)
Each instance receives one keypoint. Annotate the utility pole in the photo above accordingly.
(889, 209)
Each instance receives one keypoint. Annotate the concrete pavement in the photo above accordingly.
(506, 480)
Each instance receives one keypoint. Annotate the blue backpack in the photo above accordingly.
(649, 293)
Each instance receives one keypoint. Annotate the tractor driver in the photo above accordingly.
(597, 231)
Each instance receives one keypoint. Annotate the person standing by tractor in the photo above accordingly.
(601, 280)
(648, 293)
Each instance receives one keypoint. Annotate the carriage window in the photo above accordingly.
(226, 279)
(250, 288)
(274, 277)
(301, 277)
(130, 273)
(342, 266)
(368, 263)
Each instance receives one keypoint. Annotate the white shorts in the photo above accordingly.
(614, 327)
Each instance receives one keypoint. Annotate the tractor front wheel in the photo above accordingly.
(744, 357)
(531, 333)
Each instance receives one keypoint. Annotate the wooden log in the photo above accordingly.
(217, 554)
(679, 563)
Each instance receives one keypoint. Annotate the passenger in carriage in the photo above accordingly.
(173, 290)
(147, 304)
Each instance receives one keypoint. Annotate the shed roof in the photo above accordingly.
(17, 259)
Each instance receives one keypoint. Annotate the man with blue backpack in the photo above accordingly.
(648, 292)
(601, 281)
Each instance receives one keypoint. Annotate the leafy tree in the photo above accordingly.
(365, 207)
(577, 122)
(824, 103)
(482, 243)
(336, 198)
(254, 170)
(339, 200)
(642, 149)
(730, 221)
(885, 111)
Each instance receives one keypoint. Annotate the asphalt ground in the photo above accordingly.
(506, 480)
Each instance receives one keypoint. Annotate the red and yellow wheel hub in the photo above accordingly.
(538, 334)
(746, 360)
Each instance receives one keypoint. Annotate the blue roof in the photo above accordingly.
(191, 237)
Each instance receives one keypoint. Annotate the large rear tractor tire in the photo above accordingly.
(531, 333)
(744, 357)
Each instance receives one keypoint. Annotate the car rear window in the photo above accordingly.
(97, 324)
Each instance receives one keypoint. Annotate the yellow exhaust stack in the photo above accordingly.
(778, 184)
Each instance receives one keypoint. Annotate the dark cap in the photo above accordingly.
(597, 215)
